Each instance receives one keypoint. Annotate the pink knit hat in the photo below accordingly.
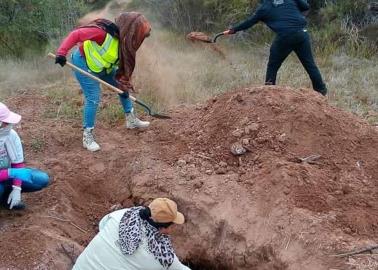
(7, 116)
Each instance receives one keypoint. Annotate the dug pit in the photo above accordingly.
(266, 209)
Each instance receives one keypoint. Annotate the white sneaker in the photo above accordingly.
(89, 141)
(133, 122)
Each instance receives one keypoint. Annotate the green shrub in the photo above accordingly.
(26, 26)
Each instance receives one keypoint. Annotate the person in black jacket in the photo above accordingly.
(286, 18)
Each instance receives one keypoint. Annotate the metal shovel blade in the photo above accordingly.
(150, 112)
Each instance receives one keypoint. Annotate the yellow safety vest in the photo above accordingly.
(101, 57)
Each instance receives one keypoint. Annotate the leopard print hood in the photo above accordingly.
(131, 230)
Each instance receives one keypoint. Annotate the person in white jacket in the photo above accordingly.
(14, 176)
(135, 239)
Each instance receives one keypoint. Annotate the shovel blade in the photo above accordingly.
(160, 116)
(150, 112)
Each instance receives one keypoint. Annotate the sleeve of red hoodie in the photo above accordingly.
(78, 36)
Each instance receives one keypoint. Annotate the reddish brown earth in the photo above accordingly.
(263, 210)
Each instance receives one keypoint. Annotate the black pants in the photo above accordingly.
(298, 42)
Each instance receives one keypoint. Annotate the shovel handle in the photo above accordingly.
(115, 89)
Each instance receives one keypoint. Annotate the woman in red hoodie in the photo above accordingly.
(106, 50)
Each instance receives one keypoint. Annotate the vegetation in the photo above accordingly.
(27, 26)
(169, 71)
(336, 24)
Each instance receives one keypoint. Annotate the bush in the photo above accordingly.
(204, 15)
(26, 26)
(336, 24)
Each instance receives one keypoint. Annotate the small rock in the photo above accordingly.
(222, 164)
(221, 170)
(237, 133)
(198, 185)
(181, 163)
(244, 121)
(237, 149)
(209, 172)
(252, 128)
(347, 189)
(245, 141)
(183, 173)
(282, 138)
(97, 168)
(239, 98)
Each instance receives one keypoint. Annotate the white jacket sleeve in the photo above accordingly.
(14, 147)
(177, 265)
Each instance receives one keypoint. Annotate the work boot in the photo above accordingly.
(133, 122)
(89, 140)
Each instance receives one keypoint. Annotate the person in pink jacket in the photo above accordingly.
(107, 50)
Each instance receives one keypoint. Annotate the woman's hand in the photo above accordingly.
(14, 197)
(61, 60)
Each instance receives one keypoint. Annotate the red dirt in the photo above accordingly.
(262, 210)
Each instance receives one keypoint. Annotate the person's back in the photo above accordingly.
(285, 16)
(282, 16)
(104, 252)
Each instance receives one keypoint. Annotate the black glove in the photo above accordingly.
(61, 60)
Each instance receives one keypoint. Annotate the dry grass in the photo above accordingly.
(364, 262)
(171, 71)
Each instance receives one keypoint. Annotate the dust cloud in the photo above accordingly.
(170, 70)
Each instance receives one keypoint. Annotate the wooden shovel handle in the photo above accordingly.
(115, 89)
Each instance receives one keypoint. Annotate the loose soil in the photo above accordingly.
(264, 209)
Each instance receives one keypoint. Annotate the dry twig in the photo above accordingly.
(351, 253)
(70, 255)
(310, 159)
(67, 220)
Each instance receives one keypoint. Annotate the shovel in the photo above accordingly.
(202, 37)
(115, 89)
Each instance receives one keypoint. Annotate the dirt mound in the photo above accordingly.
(269, 208)
(278, 127)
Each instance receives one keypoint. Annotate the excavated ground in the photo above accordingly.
(265, 209)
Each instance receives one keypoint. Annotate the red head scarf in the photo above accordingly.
(133, 29)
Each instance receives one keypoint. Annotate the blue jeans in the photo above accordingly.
(40, 180)
(92, 91)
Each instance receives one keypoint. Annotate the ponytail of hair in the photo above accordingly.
(145, 214)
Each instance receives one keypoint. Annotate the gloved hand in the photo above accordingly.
(61, 60)
(14, 197)
(229, 32)
(24, 174)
